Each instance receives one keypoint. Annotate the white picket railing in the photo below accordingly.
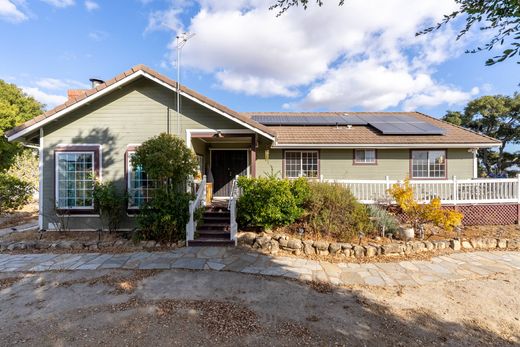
(232, 207)
(451, 191)
(200, 201)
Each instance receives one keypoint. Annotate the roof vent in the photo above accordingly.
(96, 82)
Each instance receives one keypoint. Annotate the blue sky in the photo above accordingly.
(362, 56)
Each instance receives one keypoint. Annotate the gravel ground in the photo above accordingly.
(185, 308)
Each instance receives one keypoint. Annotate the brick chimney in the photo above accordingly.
(72, 93)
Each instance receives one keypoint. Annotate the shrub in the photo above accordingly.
(333, 211)
(269, 202)
(419, 214)
(166, 159)
(164, 217)
(383, 220)
(109, 203)
(14, 193)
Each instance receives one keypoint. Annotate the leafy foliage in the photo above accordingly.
(166, 159)
(268, 202)
(109, 203)
(496, 116)
(383, 220)
(500, 17)
(283, 5)
(164, 217)
(14, 193)
(333, 211)
(25, 167)
(419, 214)
(16, 107)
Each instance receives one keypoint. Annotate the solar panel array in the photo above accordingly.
(386, 124)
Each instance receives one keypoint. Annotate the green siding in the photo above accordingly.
(395, 163)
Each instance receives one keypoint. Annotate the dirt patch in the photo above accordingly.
(122, 283)
(8, 282)
(22, 216)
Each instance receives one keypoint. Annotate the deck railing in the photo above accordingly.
(450, 191)
(200, 201)
(232, 207)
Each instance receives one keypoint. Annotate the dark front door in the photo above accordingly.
(225, 165)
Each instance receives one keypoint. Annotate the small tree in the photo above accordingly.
(14, 193)
(108, 203)
(166, 159)
(420, 214)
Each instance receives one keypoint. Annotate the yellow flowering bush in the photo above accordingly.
(419, 214)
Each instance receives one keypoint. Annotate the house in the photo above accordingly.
(94, 133)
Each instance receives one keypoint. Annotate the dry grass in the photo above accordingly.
(8, 282)
(22, 216)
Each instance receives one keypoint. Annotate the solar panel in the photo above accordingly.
(397, 124)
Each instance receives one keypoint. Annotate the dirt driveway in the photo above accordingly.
(156, 308)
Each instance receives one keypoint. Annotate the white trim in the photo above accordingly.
(475, 165)
(40, 182)
(118, 85)
(284, 169)
(383, 146)
(213, 131)
(56, 176)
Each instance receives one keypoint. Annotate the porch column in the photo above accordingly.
(254, 145)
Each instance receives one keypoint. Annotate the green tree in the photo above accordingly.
(496, 116)
(16, 107)
(499, 18)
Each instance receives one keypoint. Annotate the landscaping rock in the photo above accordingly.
(392, 248)
(247, 238)
(513, 244)
(370, 251)
(294, 244)
(455, 245)
(466, 245)
(274, 246)
(263, 242)
(429, 245)
(321, 245)
(346, 249)
(283, 242)
(277, 236)
(358, 251)
(307, 247)
(417, 246)
(440, 244)
(334, 248)
(477, 243)
(502, 243)
(490, 243)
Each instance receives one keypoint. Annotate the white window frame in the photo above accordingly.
(57, 180)
(365, 162)
(429, 176)
(129, 170)
(301, 163)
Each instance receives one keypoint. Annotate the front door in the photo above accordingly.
(225, 165)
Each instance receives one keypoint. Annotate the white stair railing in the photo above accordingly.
(200, 201)
(232, 207)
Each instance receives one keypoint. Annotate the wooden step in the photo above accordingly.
(216, 219)
(210, 242)
(217, 213)
(216, 234)
(213, 226)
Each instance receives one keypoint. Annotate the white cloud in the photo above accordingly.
(97, 35)
(50, 100)
(91, 5)
(363, 54)
(10, 12)
(57, 84)
(60, 3)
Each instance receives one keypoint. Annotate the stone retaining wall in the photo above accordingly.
(93, 246)
(282, 243)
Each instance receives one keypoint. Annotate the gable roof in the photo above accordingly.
(364, 135)
(86, 96)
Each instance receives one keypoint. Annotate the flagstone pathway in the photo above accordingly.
(456, 266)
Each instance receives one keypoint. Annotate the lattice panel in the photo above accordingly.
(489, 214)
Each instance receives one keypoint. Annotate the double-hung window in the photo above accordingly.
(428, 164)
(301, 164)
(76, 169)
(365, 156)
(140, 186)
